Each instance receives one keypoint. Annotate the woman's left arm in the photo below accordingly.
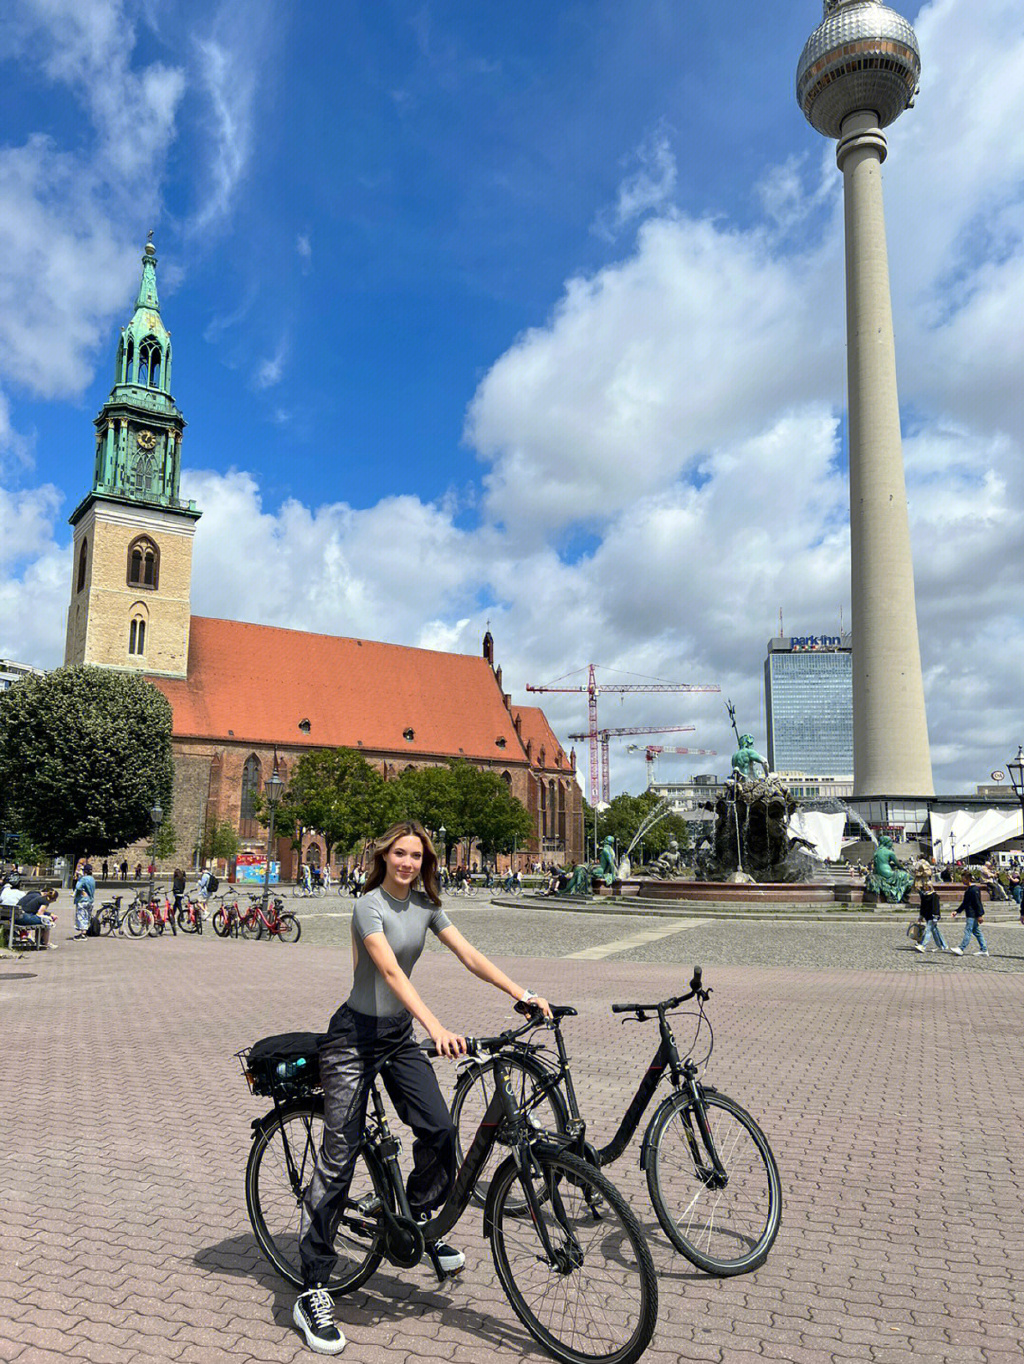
(485, 969)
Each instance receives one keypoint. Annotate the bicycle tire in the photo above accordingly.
(187, 923)
(221, 922)
(250, 924)
(285, 925)
(137, 921)
(155, 927)
(604, 1317)
(275, 1208)
(723, 1231)
(107, 920)
(473, 1090)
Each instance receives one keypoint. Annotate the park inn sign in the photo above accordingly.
(816, 642)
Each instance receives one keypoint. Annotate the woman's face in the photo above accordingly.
(403, 860)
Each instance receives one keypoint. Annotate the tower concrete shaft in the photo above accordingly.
(890, 729)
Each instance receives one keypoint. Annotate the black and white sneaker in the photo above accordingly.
(313, 1314)
(450, 1259)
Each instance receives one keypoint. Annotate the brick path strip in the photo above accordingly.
(894, 1101)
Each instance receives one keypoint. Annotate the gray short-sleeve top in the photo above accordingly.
(404, 924)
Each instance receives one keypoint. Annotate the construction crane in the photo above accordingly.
(651, 752)
(605, 735)
(600, 786)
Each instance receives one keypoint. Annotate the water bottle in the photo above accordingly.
(288, 1070)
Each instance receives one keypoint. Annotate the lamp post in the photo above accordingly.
(272, 787)
(157, 816)
(1016, 771)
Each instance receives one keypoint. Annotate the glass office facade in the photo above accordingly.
(809, 709)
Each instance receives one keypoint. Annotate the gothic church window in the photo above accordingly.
(137, 636)
(83, 558)
(143, 564)
(250, 790)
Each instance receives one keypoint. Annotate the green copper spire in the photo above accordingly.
(139, 429)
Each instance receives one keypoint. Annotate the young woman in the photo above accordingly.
(400, 902)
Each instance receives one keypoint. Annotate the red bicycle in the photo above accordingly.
(273, 924)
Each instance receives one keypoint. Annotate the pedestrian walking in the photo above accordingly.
(84, 898)
(930, 917)
(178, 888)
(973, 911)
(124, 870)
(105, 872)
(374, 1026)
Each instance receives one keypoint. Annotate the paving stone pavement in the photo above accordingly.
(893, 1098)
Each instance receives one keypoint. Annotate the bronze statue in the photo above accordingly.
(888, 877)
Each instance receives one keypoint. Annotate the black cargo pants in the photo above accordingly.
(354, 1052)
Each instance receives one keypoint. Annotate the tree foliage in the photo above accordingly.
(623, 816)
(220, 841)
(84, 754)
(467, 803)
(337, 794)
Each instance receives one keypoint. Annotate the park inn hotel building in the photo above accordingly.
(808, 692)
(243, 693)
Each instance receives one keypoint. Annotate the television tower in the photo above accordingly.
(858, 72)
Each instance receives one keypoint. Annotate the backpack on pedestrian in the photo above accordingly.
(213, 884)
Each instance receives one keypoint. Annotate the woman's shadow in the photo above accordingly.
(385, 1301)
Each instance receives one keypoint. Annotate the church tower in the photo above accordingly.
(132, 564)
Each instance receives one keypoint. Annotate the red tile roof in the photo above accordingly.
(257, 683)
(533, 725)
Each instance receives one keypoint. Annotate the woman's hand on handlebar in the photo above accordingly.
(448, 1043)
(527, 1006)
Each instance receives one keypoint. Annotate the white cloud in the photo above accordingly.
(648, 188)
(71, 221)
(270, 371)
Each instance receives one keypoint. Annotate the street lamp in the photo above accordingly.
(272, 788)
(157, 816)
(1016, 771)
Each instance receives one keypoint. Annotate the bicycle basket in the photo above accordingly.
(288, 1063)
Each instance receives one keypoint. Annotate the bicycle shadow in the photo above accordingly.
(386, 1301)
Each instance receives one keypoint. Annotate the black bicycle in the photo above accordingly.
(711, 1174)
(112, 918)
(577, 1271)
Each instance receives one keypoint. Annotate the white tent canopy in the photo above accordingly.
(824, 832)
(957, 834)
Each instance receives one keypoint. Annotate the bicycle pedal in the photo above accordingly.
(368, 1206)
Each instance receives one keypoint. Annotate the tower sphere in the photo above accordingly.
(863, 55)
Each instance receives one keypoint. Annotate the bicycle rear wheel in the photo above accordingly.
(288, 928)
(724, 1227)
(474, 1089)
(138, 921)
(599, 1300)
(107, 918)
(188, 922)
(280, 1166)
(251, 925)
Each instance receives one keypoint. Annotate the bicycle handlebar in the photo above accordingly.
(696, 991)
(484, 1046)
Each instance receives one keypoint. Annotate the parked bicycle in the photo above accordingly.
(112, 918)
(190, 915)
(711, 1174)
(227, 917)
(150, 917)
(275, 923)
(577, 1272)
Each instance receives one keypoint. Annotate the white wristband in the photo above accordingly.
(527, 997)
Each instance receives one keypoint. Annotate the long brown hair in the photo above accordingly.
(427, 881)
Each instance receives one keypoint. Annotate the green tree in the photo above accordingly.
(84, 753)
(623, 816)
(337, 794)
(468, 803)
(166, 841)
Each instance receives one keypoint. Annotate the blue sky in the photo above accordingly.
(530, 314)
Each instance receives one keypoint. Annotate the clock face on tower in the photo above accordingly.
(147, 441)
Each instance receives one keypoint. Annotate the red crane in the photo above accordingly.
(605, 735)
(600, 789)
(651, 752)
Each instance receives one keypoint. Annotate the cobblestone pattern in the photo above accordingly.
(893, 1099)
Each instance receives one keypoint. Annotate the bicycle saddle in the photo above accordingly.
(563, 1011)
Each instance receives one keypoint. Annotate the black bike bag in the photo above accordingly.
(287, 1062)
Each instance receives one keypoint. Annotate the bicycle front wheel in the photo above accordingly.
(598, 1301)
(186, 922)
(288, 928)
(723, 1225)
(137, 921)
(474, 1089)
(281, 1165)
(251, 926)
